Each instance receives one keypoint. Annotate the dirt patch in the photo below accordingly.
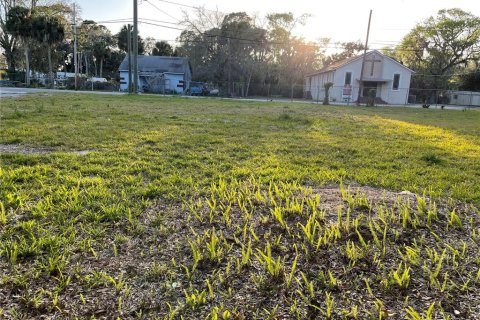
(331, 196)
(20, 149)
(146, 266)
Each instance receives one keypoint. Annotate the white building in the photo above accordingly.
(389, 80)
(159, 74)
(464, 98)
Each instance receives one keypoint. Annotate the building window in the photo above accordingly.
(396, 81)
(348, 78)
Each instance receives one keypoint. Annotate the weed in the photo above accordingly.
(414, 315)
(401, 276)
(431, 159)
(274, 267)
(195, 299)
(454, 220)
(329, 305)
(290, 277)
(157, 271)
(214, 250)
(3, 216)
(10, 250)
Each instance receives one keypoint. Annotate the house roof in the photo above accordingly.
(158, 64)
(336, 65)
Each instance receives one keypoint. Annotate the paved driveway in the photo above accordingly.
(16, 92)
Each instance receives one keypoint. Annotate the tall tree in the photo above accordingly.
(291, 57)
(48, 31)
(19, 24)
(122, 41)
(162, 48)
(349, 50)
(440, 46)
(8, 40)
(470, 81)
(243, 44)
(29, 22)
(98, 41)
(237, 51)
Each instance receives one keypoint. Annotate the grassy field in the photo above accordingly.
(168, 208)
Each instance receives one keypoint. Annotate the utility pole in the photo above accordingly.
(135, 46)
(360, 86)
(75, 58)
(129, 44)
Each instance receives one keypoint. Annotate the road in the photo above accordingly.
(17, 92)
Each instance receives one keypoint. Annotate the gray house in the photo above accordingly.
(159, 74)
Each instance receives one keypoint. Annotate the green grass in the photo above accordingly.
(182, 206)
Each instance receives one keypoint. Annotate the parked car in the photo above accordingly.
(198, 89)
(8, 83)
(213, 92)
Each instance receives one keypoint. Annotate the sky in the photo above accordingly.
(339, 20)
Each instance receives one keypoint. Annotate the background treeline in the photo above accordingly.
(244, 54)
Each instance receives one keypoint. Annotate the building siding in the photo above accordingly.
(384, 70)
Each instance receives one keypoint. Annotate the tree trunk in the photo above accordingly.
(95, 67)
(27, 66)
(50, 68)
(248, 83)
(86, 64)
(101, 67)
(9, 46)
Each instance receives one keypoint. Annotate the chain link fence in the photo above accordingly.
(60, 81)
(342, 95)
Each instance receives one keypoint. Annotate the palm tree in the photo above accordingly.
(162, 48)
(48, 31)
(327, 87)
(99, 41)
(19, 23)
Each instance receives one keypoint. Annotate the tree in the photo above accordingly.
(98, 41)
(290, 57)
(8, 40)
(327, 87)
(162, 48)
(350, 49)
(122, 41)
(440, 46)
(243, 47)
(48, 31)
(19, 24)
(38, 27)
(55, 16)
(470, 81)
(149, 44)
(235, 50)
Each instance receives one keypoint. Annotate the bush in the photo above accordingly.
(100, 86)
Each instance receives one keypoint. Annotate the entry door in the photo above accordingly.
(369, 85)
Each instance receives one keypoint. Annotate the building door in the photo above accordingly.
(367, 86)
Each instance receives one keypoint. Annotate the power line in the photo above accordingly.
(186, 5)
(162, 26)
(178, 4)
(129, 20)
(158, 23)
(161, 23)
(162, 11)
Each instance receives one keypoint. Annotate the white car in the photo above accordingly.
(95, 79)
(213, 92)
